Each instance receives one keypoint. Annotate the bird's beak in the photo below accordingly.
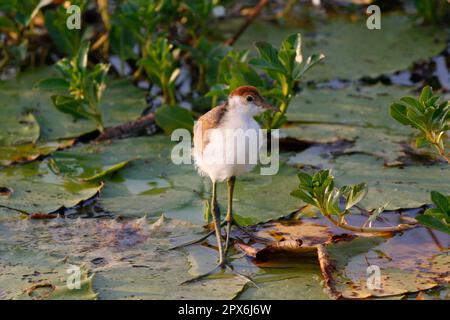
(268, 106)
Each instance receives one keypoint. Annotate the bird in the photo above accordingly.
(216, 156)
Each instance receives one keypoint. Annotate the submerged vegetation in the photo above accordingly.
(86, 113)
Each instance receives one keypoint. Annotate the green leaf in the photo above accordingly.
(310, 62)
(110, 170)
(356, 194)
(270, 55)
(426, 94)
(170, 118)
(305, 179)
(440, 201)
(398, 112)
(303, 196)
(433, 223)
(7, 24)
(70, 106)
(265, 65)
(52, 84)
(82, 57)
(412, 102)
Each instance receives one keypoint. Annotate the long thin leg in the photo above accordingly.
(216, 219)
(217, 226)
(229, 217)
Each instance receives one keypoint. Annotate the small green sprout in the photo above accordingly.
(335, 203)
(428, 116)
(85, 87)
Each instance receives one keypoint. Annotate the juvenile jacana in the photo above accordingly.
(212, 144)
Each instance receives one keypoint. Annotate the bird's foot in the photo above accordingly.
(220, 267)
(234, 223)
(195, 241)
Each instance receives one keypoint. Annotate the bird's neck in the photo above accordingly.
(239, 116)
(237, 108)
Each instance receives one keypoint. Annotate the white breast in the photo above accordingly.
(233, 148)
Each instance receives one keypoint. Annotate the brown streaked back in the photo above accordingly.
(208, 121)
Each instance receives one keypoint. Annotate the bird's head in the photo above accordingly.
(248, 99)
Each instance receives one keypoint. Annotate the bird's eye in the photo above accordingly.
(249, 98)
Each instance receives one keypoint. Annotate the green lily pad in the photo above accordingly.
(398, 44)
(259, 198)
(38, 189)
(154, 184)
(407, 263)
(129, 258)
(18, 129)
(288, 280)
(379, 142)
(365, 106)
(29, 152)
(407, 187)
(107, 172)
(30, 274)
(150, 185)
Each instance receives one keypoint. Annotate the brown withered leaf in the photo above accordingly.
(295, 237)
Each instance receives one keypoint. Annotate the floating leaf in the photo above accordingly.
(415, 263)
(108, 171)
(38, 189)
(372, 51)
(170, 118)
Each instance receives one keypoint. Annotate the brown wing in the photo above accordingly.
(209, 120)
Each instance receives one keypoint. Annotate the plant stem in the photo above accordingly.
(441, 152)
(342, 224)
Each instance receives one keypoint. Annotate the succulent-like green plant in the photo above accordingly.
(428, 116)
(335, 203)
(286, 66)
(84, 86)
(433, 11)
(439, 217)
(283, 68)
(160, 64)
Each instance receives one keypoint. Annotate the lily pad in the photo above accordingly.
(29, 152)
(38, 189)
(30, 274)
(107, 172)
(154, 184)
(111, 249)
(18, 129)
(364, 106)
(407, 263)
(288, 280)
(337, 139)
(366, 53)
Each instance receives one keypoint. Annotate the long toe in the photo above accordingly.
(216, 269)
